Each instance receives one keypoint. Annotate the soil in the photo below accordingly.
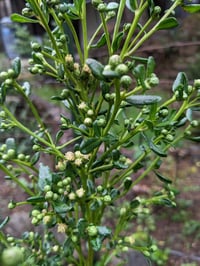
(177, 229)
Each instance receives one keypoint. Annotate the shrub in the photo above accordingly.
(112, 109)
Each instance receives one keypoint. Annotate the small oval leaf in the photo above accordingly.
(4, 222)
(143, 99)
(96, 68)
(36, 199)
(89, 145)
(21, 19)
(167, 23)
(163, 178)
(194, 8)
(101, 42)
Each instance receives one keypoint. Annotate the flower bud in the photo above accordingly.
(92, 230)
(114, 61)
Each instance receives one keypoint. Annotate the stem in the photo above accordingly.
(135, 21)
(47, 28)
(107, 34)
(94, 36)
(181, 110)
(68, 142)
(32, 107)
(152, 31)
(16, 180)
(31, 133)
(84, 30)
(3, 239)
(119, 18)
(75, 36)
(116, 107)
(140, 32)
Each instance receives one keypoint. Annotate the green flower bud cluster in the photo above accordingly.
(41, 216)
(151, 81)
(37, 69)
(95, 3)
(183, 92)
(69, 60)
(52, 3)
(27, 11)
(77, 158)
(62, 187)
(163, 112)
(116, 69)
(92, 230)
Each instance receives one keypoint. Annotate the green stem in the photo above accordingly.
(44, 23)
(84, 30)
(134, 24)
(68, 143)
(152, 31)
(183, 107)
(140, 32)
(119, 18)
(75, 36)
(116, 107)
(32, 107)
(3, 239)
(31, 133)
(107, 34)
(94, 36)
(16, 180)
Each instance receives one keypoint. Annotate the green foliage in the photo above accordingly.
(92, 175)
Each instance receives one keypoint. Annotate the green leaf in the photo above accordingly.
(96, 204)
(101, 42)
(35, 199)
(150, 66)
(193, 8)
(89, 144)
(10, 143)
(59, 135)
(96, 243)
(35, 158)
(168, 23)
(21, 19)
(90, 187)
(3, 91)
(195, 139)
(104, 231)
(114, 193)
(27, 88)
(16, 66)
(143, 99)
(4, 222)
(181, 82)
(163, 178)
(96, 68)
(127, 183)
(45, 176)
(132, 5)
(81, 226)
(140, 75)
(117, 41)
(110, 74)
(157, 150)
(134, 203)
(62, 208)
(112, 6)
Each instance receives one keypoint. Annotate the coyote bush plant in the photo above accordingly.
(112, 109)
